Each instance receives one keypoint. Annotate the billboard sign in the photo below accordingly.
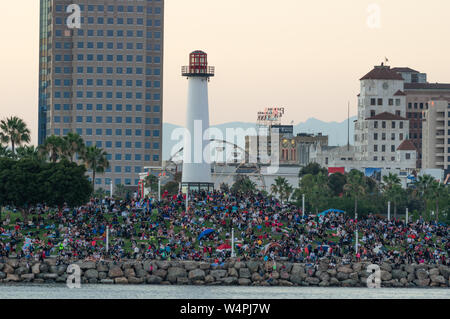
(374, 173)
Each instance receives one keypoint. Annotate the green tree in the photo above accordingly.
(393, 190)
(95, 159)
(316, 190)
(65, 183)
(424, 186)
(243, 184)
(171, 187)
(278, 188)
(30, 152)
(356, 186)
(13, 130)
(312, 169)
(55, 148)
(5, 152)
(336, 183)
(74, 145)
(151, 181)
(438, 193)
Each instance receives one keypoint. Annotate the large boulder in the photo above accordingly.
(438, 279)
(12, 278)
(135, 281)
(219, 273)
(102, 267)
(386, 267)
(121, 281)
(410, 268)
(385, 275)
(163, 264)
(422, 282)
(87, 265)
(349, 283)
(232, 272)
(91, 274)
(176, 272)
(341, 276)
(434, 272)
(345, 269)
(399, 274)
(244, 273)
(35, 268)
(21, 271)
(244, 282)
(8, 269)
(205, 266)
(115, 272)
(196, 274)
(154, 280)
(129, 272)
(313, 281)
(444, 271)
(297, 278)
(190, 265)
(253, 266)
(27, 277)
(160, 273)
(230, 281)
(421, 274)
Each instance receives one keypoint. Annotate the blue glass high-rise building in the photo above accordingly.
(104, 80)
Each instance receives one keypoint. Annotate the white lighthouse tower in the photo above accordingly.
(196, 162)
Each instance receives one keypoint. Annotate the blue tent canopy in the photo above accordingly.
(331, 211)
(205, 233)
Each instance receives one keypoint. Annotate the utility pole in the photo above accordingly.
(356, 234)
(159, 188)
(111, 188)
(389, 211)
(107, 238)
(232, 243)
(407, 217)
(303, 205)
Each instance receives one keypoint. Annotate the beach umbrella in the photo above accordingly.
(332, 210)
(270, 246)
(223, 247)
(205, 233)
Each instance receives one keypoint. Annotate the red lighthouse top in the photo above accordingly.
(198, 65)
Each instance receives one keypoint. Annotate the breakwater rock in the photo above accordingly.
(249, 273)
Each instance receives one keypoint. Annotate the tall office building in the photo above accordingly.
(104, 79)
(418, 93)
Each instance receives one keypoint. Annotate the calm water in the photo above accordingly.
(214, 292)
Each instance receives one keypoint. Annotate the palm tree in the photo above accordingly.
(95, 158)
(355, 187)
(279, 186)
(393, 190)
(14, 130)
(55, 147)
(151, 181)
(287, 191)
(424, 184)
(438, 191)
(30, 152)
(75, 145)
(5, 152)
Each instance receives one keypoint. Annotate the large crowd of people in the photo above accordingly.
(264, 229)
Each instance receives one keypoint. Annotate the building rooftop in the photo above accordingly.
(382, 72)
(404, 70)
(399, 93)
(387, 116)
(407, 145)
(427, 86)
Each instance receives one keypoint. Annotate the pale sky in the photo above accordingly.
(306, 56)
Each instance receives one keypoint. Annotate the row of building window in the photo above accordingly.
(392, 126)
(108, 95)
(383, 148)
(379, 102)
(108, 107)
(109, 132)
(129, 34)
(101, 82)
(418, 106)
(112, 8)
(383, 136)
(109, 70)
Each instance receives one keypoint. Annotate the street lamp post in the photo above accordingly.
(389, 211)
(232, 243)
(303, 205)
